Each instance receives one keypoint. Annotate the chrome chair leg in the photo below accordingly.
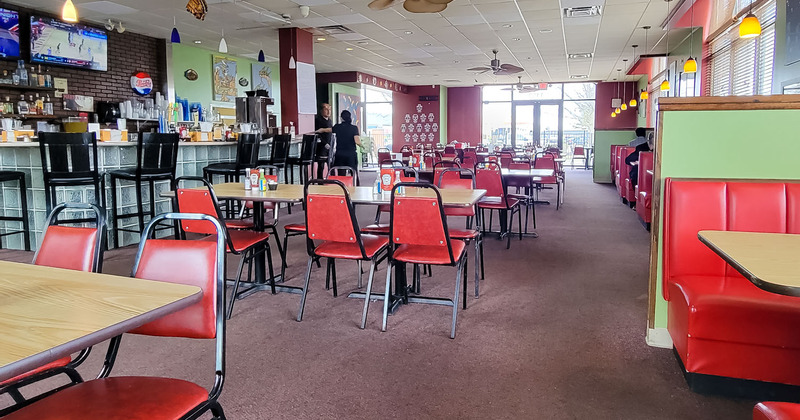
(389, 269)
(455, 297)
(360, 274)
(305, 290)
(477, 291)
(367, 296)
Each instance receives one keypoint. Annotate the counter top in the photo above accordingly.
(122, 143)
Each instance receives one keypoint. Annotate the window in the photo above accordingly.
(377, 120)
(743, 66)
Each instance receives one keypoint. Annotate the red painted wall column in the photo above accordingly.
(297, 43)
(464, 114)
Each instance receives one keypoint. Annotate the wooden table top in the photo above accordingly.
(359, 195)
(769, 260)
(48, 313)
(526, 173)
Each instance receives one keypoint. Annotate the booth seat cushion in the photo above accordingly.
(776, 411)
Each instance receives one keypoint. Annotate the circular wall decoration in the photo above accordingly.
(190, 75)
(243, 82)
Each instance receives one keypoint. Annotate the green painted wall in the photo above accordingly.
(725, 144)
(186, 57)
(602, 151)
(443, 114)
(782, 73)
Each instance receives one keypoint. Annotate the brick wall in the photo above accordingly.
(128, 53)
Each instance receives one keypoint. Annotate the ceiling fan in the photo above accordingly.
(496, 68)
(521, 87)
(413, 6)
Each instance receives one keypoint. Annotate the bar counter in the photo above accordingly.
(25, 157)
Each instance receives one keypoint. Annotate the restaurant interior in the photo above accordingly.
(522, 209)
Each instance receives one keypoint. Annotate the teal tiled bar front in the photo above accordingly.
(25, 157)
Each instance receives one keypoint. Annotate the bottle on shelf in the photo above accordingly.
(21, 75)
(48, 106)
(22, 106)
(33, 77)
(7, 79)
(8, 106)
(41, 77)
(39, 105)
(48, 79)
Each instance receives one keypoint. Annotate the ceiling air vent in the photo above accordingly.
(579, 56)
(578, 12)
(336, 30)
(451, 81)
(412, 64)
(579, 76)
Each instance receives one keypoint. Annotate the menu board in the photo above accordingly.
(306, 89)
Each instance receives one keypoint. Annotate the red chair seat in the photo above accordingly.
(463, 234)
(295, 227)
(459, 211)
(346, 250)
(242, 239)
(496, 203)
(118, 398)
(424, 254)
(52, 365)
(239, 223)
(776, 411)
(379, 229)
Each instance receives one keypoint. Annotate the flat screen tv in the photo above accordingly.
(68, 44)
(9, 33)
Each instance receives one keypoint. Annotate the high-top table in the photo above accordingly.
(48, 313)
(769, 260)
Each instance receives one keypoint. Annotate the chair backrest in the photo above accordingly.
(429, 158)
(505, 159)
(520, 165)
(456, 178)
(198, 201)
(307, 147)
(330, 215)
(440, 166)
(197, 263)
(449, 150)
(384, 154)
(68, 155)
(280, 148)
(419, 220)
(390, 163)
(578, 151)
(349, 177)
(488, 177)
(247, 149)
(157, 153)
(71, 247)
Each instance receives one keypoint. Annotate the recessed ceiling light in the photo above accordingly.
(321, 38)
(408, 32)
(348, 49)
(456, 61)
(508, 25)
(515, 39)
(578, 56)
(390, 65)
(427, 44)
(579, 76)
(197, 41)
(545, 31)
(418, 75)
(528, 58)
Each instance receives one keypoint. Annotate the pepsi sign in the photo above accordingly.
(141, 83)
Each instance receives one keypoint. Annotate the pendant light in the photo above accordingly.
(175, 38)
(70, 14)
(645, 95)
(292, 63)
(665, 84)
(690, 66)
(613, 115)
(624, 105)
(749, 28)
(223, 46)
(633, 102)
(261, 57)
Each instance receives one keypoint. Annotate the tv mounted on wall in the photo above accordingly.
(68, 44)
(9, 34)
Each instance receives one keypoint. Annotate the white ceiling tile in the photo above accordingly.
(350, 19)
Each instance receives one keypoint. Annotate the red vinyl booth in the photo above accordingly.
(720, 323)
(624, 187)
(644, 190)
(613, 163)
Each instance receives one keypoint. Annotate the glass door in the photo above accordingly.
(537, 123)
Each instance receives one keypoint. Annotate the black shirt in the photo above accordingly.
(345, 138)
(321, 122)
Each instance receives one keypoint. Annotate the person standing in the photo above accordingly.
(322, 126)
(347, 137)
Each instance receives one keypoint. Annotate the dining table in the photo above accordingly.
(769, 260)
(48, 313)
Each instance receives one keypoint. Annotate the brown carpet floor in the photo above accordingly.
(558, 333)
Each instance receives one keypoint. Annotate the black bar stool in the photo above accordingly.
(156, 160)
(23, 199)
(247, 150)
(279, 154)
(70, 159)
(304, 160)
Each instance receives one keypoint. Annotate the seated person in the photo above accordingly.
(640, 133)
(633, 158)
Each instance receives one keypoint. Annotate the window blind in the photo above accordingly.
(743, 66)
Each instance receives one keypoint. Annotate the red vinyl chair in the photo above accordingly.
(331, 220)
(773, 410)
(527, 199)
(489, 178)
(505, 159)
(419, 235)
(439, 167)
(384, 154)
(578, 153)
(246, 243)
(453, 178)
(379, 228)
(198, 263)
(546, 162)
(72, 248)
